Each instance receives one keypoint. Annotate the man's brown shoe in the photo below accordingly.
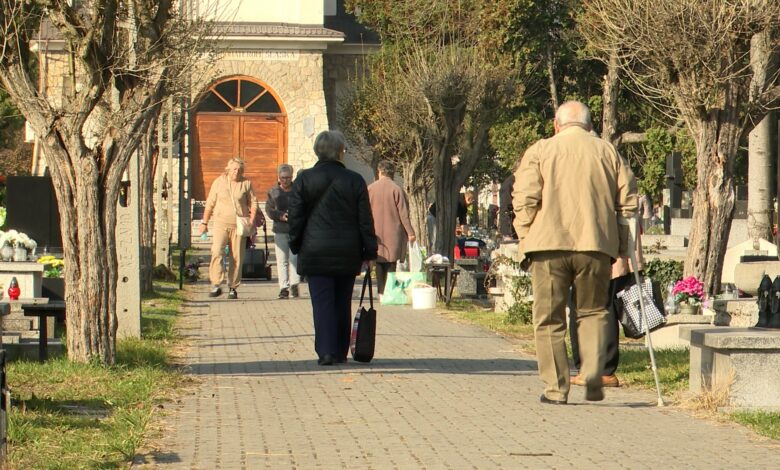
(606, 381)
(610, 381)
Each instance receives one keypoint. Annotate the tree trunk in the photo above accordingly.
(446, 213)
(473, 212)
(610, 98)
(759, 221)
(551, 77)
(88, 221)
(717, 142)
(415, 190)
(147, 162)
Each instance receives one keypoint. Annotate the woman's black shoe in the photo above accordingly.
(326, 360)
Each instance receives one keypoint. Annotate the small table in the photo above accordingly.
(54, 309)
(450, 276)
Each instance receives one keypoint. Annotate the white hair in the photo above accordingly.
(573, 112)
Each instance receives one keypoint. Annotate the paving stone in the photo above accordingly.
(439, 394)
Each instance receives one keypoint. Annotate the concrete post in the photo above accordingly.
(128, 291)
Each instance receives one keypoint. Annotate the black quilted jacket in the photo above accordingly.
(331, 227)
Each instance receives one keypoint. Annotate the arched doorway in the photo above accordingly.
(238, 116)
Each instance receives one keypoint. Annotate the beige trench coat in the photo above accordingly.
(391, 219)
(569, 191)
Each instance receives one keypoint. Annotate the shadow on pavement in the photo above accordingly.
(380, 365)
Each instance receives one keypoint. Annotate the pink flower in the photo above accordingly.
(689, 290)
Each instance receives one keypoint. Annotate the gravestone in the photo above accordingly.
(42, 223)
(733, 255)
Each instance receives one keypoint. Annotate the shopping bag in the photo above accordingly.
(402, 266)
(415, 257)
(629, 309)
(398, 287)
(363, 338)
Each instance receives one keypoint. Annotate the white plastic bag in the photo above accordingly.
(415, 258)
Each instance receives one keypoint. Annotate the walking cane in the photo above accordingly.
(633, 229)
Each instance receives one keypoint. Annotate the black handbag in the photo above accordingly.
(363, 338)
(629, 311)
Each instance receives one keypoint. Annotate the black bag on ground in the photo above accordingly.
(363, 338)
(629, 312)
(254, 266)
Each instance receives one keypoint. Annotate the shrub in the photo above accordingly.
(521, 312)
(664, 272)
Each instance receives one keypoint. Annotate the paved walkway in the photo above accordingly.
(438, 395)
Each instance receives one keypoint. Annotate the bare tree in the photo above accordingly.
(428, 107)
(695, 55)
(374, 114)
(458, 96)
(124, 57)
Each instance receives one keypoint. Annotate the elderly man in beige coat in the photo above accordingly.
(573, 198)
(391, 222)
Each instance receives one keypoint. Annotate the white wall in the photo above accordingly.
(263, 11)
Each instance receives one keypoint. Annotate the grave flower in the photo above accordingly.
(689, 291)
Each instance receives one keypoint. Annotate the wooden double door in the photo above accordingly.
(260, 140)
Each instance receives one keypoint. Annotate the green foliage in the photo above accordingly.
(664, 272)
(648, 159)
(406, 21)
(466, 310)
(687, 149)
(521, 312)
(53, 272)
(673, 368)
(652, 178)
(512, 135)
(11, 120)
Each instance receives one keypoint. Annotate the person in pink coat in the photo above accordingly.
(391, 222)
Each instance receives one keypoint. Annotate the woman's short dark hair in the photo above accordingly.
(329, 144)
(386, 168)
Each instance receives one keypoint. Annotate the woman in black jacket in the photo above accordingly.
(332, 232)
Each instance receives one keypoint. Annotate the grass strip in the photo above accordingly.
(635, 369)
(763, 422)
(67, 415)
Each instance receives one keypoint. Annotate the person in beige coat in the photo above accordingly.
(230, 195)
(391, 222)
(573, 198)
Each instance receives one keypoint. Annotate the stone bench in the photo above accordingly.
(745, 361)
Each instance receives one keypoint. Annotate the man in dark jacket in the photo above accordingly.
(506, 213)
(277, 206)
(332, 232)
